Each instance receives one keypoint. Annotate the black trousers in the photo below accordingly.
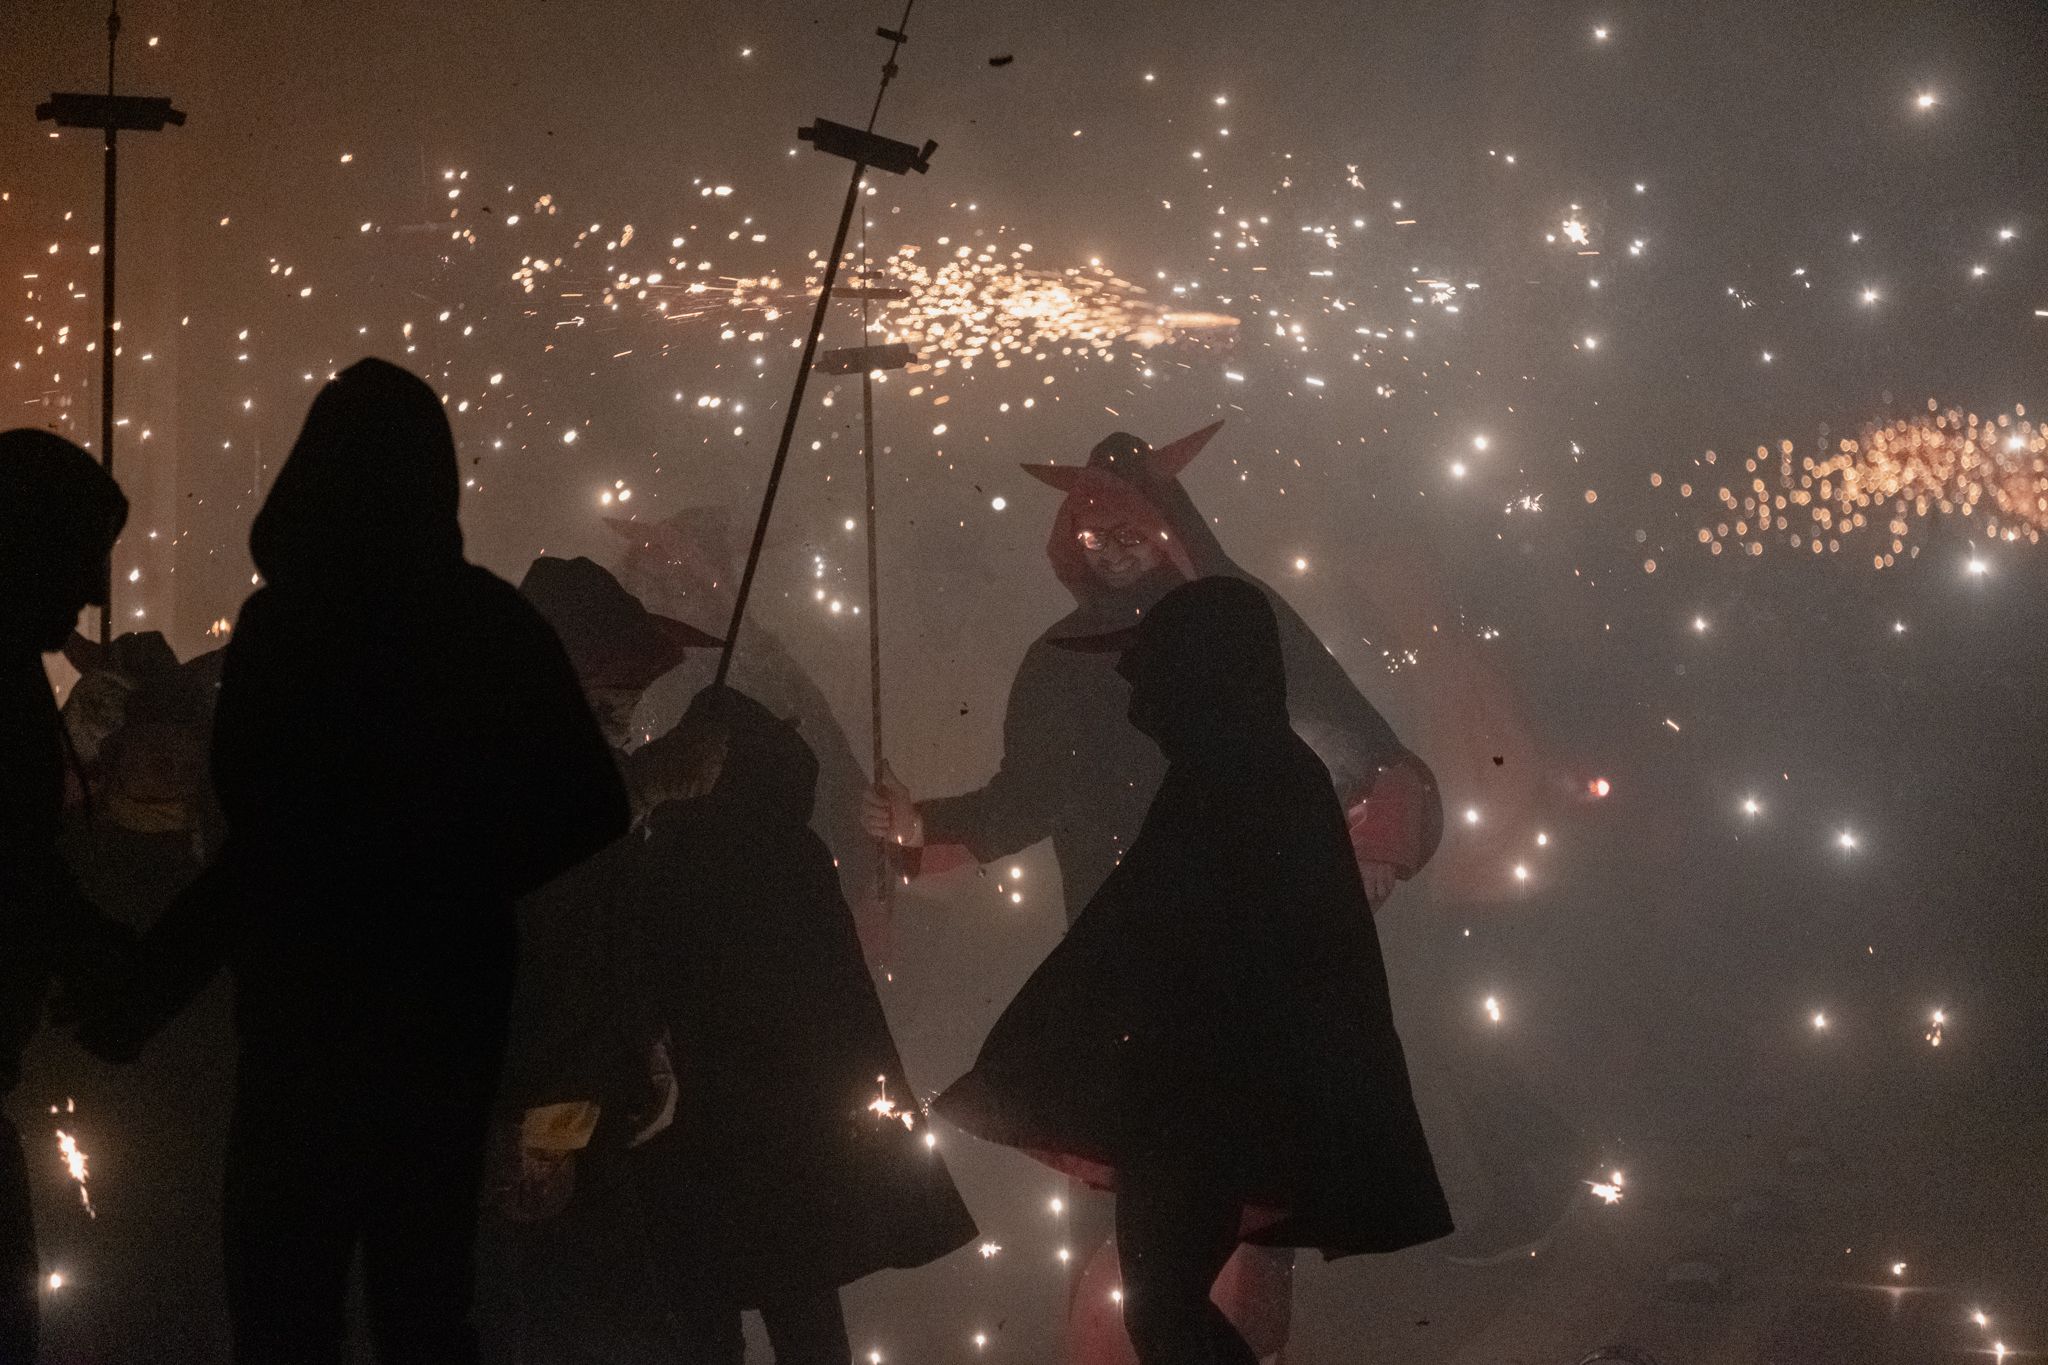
(806, 1327)
(1173, 1238)
(361, 1130)
(21, 1274)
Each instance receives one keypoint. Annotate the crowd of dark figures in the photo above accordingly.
(566, 1043)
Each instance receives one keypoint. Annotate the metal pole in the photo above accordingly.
(885, 879)
(107, 321)
(789, 418)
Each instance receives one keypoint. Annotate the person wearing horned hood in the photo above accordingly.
(1213, 1038)
(401, 750)
(1075, 770)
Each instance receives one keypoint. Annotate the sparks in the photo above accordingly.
(74, 1166)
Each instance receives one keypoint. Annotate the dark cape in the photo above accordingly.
(1072, 767)
(400, 750)
(780, 1172)
(59, 515)
(1220, 1007)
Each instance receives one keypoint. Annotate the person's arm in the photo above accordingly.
(537, 790)
(176, 959)
(1017, 806)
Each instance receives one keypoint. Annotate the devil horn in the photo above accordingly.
(1168, 461)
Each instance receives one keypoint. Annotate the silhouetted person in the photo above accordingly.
(798, 1161)
(1074, 769)
(59, 516)
(1213, 1037)
(140, 723)
(400, 749)
(564, 1262)
(687, 566)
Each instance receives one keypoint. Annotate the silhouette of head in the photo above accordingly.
(617, 647)
(367, 499)
(736, 750)
(1205, 670)
(59, 516)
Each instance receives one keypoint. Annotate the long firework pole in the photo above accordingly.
(865, 150)
(111, 114)
(885, 879)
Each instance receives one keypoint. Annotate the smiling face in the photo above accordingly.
(1118, 554)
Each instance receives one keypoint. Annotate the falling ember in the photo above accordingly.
(1599, 787)
(74, 1165)
(1820, 1021)
(989, 1250)
(1607, 1191)
(1493, 1009)
(1934, 1027)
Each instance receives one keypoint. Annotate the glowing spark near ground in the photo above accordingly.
(885, 1108)
(1990, 472)
(74, 1166)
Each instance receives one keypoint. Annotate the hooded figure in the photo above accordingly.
(59, 515)
(139, 722)
(1072, 767)
(798, 1159)
(1075, 770)
(561, 1255)
(400, 750)
(687, 565)
(1213, 1038)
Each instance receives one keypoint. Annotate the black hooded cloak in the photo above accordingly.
(59, 515)
(400, 750)
(1220, 1007)
(797, 1159)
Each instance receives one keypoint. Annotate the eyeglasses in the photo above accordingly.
(1124, 536)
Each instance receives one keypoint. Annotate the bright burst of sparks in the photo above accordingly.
(1936, 1022)
(1820, 1020)
(1492, 1007)
(1991, 473)
(883, 1107)
(74, 1166)
(1608, 1191)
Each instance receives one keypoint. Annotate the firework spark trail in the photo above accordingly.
(974, 303)
(1945, 463)
(74, 1166)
